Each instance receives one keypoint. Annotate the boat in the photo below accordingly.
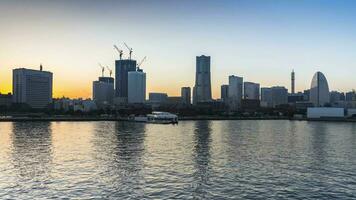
(158, 118)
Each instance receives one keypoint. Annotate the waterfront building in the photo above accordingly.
(296, 97)
(350, 96)
(266, 97)
(336, 96)
(103, 91)
(155, 97)
(137, 86)
(202, 88)
(5, 100)
(319, 90)
(224, 95)
(251, 90)
(122, 68)
(292, 82)
(235, 92)
(32, 87)
(274, 96)
(186, 95)
(279, 95)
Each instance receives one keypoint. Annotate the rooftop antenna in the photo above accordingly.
(102, 70)
(119, 50)
(110, 70)
(140, 63)
(130, 50)
(41, 68)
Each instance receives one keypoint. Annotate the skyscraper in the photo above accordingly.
(235, 92)
(319, 90)
(186, 95)
(279, 95)
(103, 91)
(136, 86)
(251, 90)
(32, 87)
(293, 82)
(202, 88)
(122, 67)
(266, 97)
(224, 93)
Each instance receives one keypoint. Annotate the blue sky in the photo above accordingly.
(259, 40)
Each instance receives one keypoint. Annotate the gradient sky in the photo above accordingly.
(259, 40)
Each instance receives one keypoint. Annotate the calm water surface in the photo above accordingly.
(192, 160)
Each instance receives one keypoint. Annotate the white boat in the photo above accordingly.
(158, 118)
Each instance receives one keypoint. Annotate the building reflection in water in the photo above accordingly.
(32, 152)
(202, 140)
(119, 148)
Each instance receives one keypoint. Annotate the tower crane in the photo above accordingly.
(140, 63)
(102, 70)
(130, 50)
(119, 50)
(110, 70)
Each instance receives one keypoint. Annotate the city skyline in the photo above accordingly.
(244, 38)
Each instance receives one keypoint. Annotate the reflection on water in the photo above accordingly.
(195, 159)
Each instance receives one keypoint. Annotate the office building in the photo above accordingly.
(251, 90)
(235, 92)
(32, 87)
(279, 96)
(186, 95)
(319, 90)
(136, 86)
(266, 97)
(224, 93)
(292, 82)
(103, 91)
(336, 96)
(122, 68)
(350, 96)
(155, 97)
(202, 88)
(5, 100)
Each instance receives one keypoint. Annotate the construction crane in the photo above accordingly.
(110, 70)
(130, 50)
(102, 70)
(119, 50)
(140, 63)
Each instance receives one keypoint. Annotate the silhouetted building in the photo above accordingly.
(224, 93)
(5, 100)
(251, 90)
(296, 97)
(122, 67)
(336, 96)
(350, 96)
(103, 91)
(319, 90)
(235, 92)
(136, 87)
(32, 87)
(274, 96)
(266, 97)
(155, 97)
(250, 104)
(186, 95)
(202, 88)
(292, 82)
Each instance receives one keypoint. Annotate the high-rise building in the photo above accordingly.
(202, 88)
(336, 96)
(224, 93)
(350, 96)
(293, 82)
(103, 91)
(266, 97)
(136, 86)
(319, 90)
(251, 90)
(186, 95)
(32, 87)
(274, 96)
(122, 67)
(279, 95)
(235, 92)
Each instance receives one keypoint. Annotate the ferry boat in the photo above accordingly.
(158, 118)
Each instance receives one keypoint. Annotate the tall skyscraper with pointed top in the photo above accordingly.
(293, 82)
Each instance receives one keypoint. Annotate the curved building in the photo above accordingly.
(319, 90)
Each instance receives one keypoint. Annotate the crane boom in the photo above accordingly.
(102, 70)
(130, 50)
(140, 63)
(119, 50)
(110, 70)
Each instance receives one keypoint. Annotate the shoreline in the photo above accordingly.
(195, 118)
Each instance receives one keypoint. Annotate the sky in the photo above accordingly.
(260, 40)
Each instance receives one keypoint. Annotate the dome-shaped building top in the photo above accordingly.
(319, 90)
